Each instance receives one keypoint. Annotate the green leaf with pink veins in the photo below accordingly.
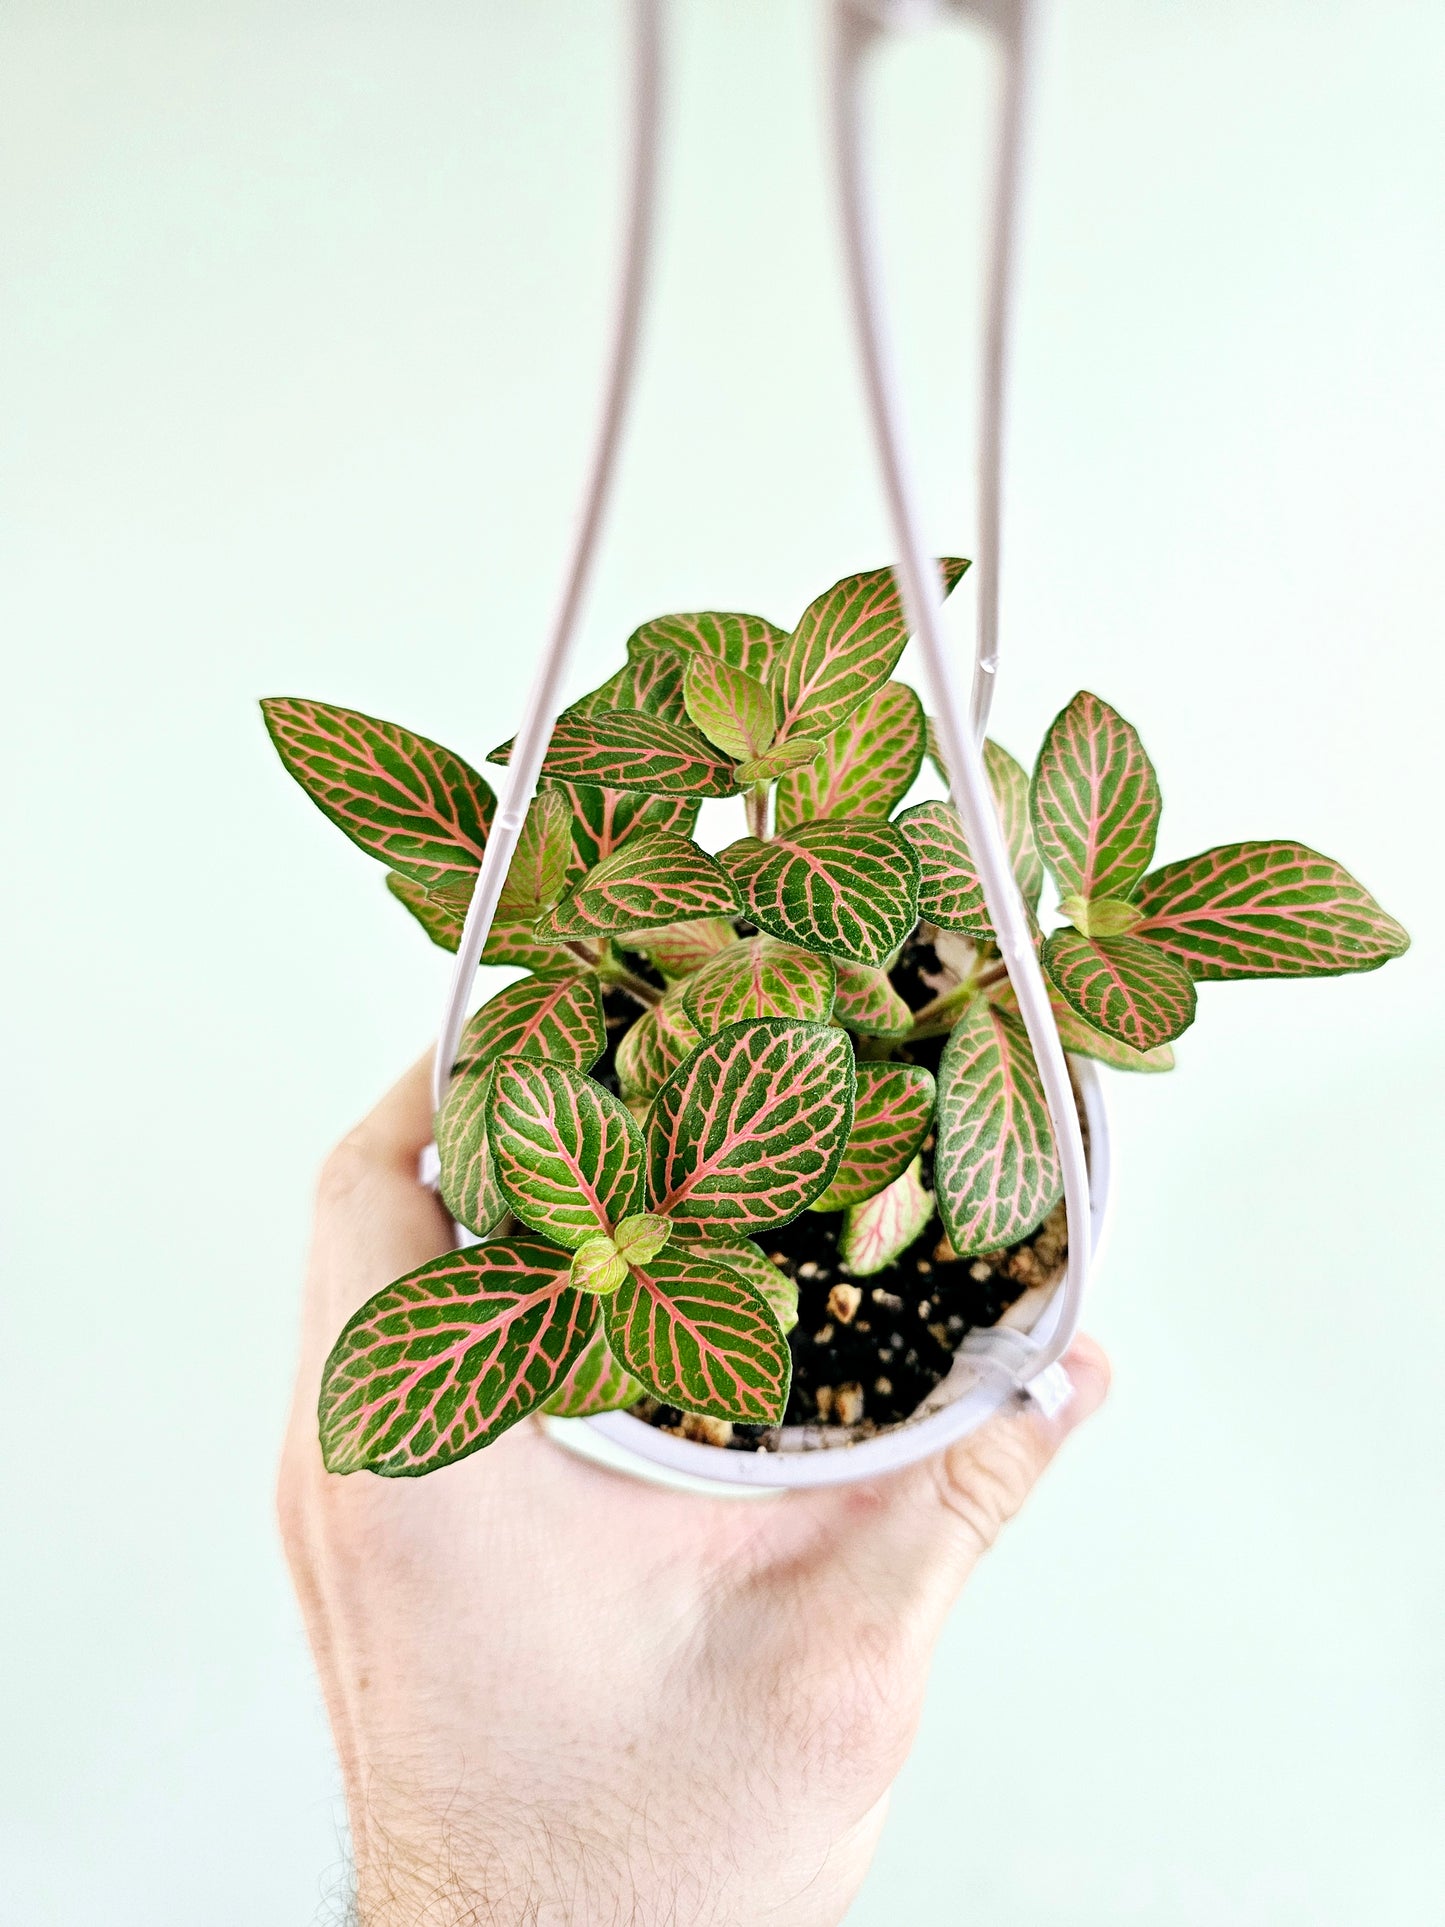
(892, 1114)
(867, 1003)
(877, 1232)
(760, 978)
(651, 685)
(846, 645)
(1081, 1039)
(1123, 986)
(1265, 910)
(468, 1182)
(865, 765)
(399, 796)
(655, 1045)
(446, 1359)
(1009, 782)
(847, 887)
(593, 1383)
(555, 1015)
(749, 1130)
(681, 948)
(1094, 801)
(568, 1155)
(509, 941)
(698, 1336)
(604, 820)
(742, 1256)
(650, 883)
(949, 891)
(744, 642)
(731, 708)
(996, 1164)
(630, 750)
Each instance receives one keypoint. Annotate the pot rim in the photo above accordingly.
(808, 1457)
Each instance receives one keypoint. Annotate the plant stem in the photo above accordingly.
(588, 952)
(646, 994)
(757, 808)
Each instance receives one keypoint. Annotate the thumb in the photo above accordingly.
(908, 1542)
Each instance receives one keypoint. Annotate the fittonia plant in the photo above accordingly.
(751, 1057)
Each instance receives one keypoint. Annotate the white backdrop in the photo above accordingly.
(303, 313)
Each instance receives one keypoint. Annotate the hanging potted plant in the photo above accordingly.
(757, 1146)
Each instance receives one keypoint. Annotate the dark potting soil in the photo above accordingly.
(868, 1351)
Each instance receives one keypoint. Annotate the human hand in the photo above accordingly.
(560, 1695)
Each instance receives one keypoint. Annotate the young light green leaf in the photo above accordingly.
(866, 764)
(731, 708)
(744, 642)
(1265, 910)
(1123, 986)
(1082, 1040)
(556, 1015)
(444, 1360)
(867, 1003)
(760, 978)
(629, 750)
(877, 1232)
(796, 753)
(848, 888)
(742, 1256)
(700, 1337)
(468, 1182)
(568, 1155)
(892, 1114)
(996, 1165)
(1100, 916)
(846, 644)
(681, 948)
(642, 1237)
(597, 1266)
(398, 796)
(649, 883)
(1094, 801)
(655, 1045)
(949, 892)
(750, 1128)
(594, 1382)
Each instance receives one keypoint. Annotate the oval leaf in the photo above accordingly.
(555, 1015)
(996, 1166)
(731, 708)
(594, 1382)
(568, 1155)
(510, 940)
(448, 1357)
(949, 892)
(760, 978)
(846, 644)
(877, 1232)
(679, 949)
(397, 795)
(468, 1182)
(867, 1003)
(866, 765)
(1082, 1040)
(655, 1045)
(1265, 910)
(745, 642)
(846, 887)
(1094, 801)
(627, 750)
(1122, 986)
(1009, 782)
(749, 1130)
(651, 882)
(699, 1337)
(892, 1114)
(740, 1255)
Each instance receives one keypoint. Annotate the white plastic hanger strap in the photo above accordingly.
(545, 699)
(857, 26)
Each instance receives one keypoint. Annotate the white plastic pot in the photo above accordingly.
(809, 1455)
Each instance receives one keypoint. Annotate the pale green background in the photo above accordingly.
(303, 314)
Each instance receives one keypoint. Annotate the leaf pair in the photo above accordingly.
(1140, 941)
(744, 1135)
